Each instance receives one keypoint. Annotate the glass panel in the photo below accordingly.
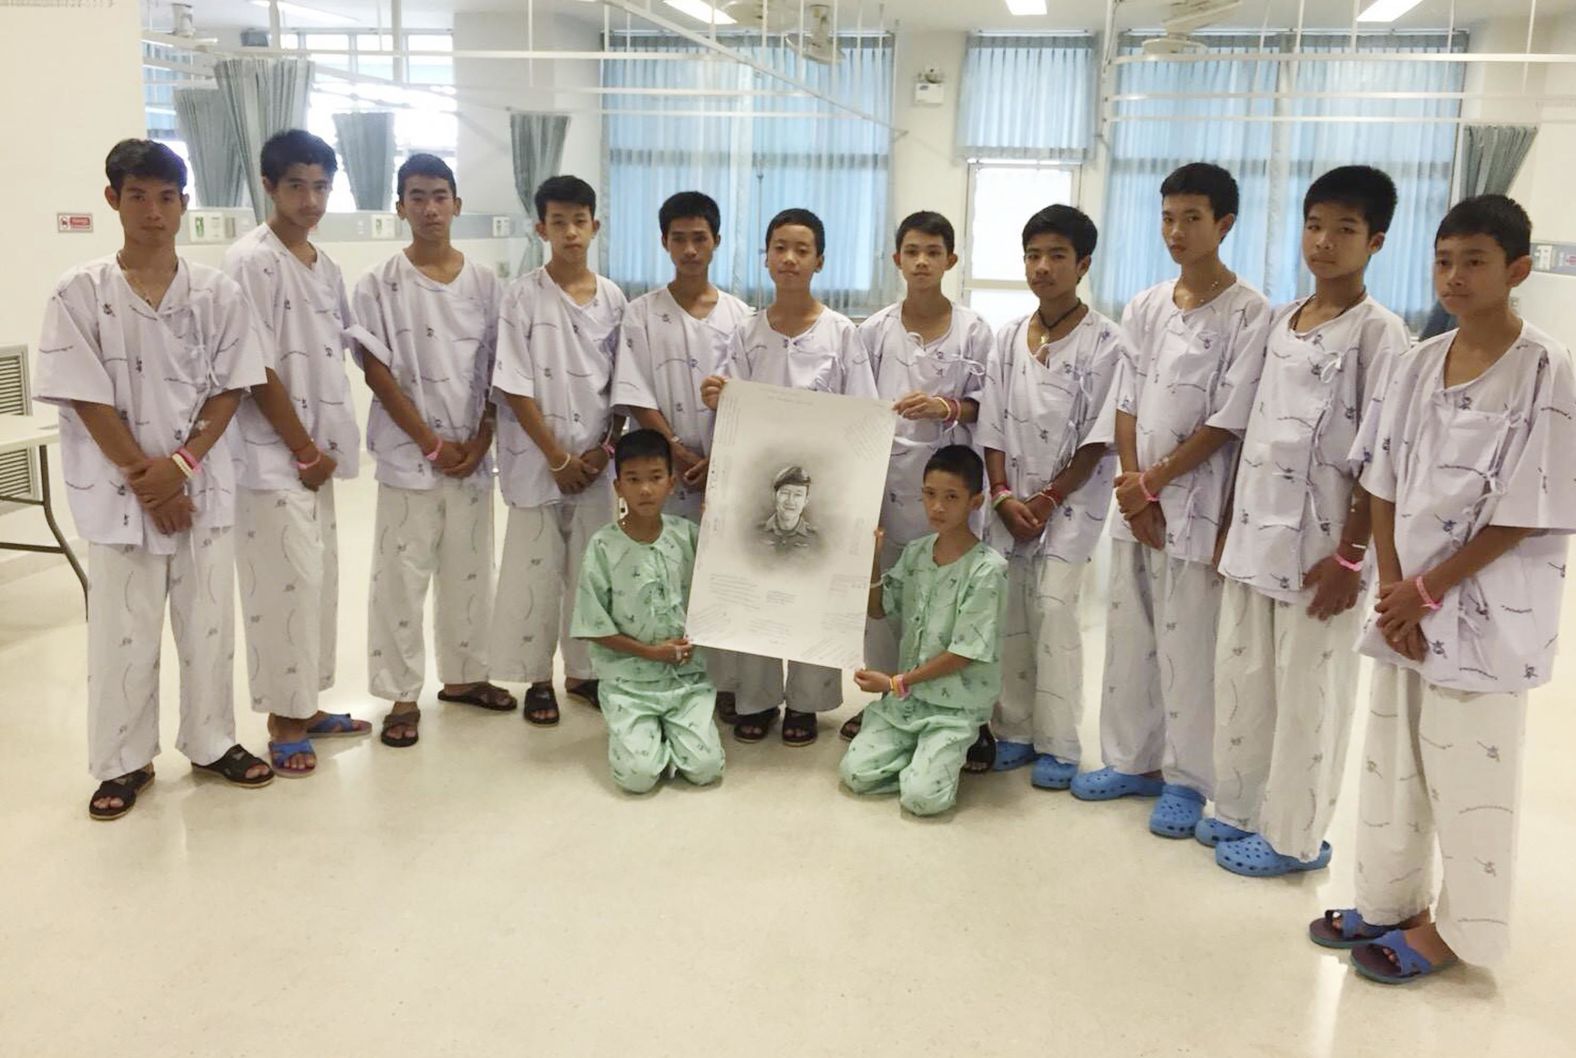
(1001, 307)
(1012, 193)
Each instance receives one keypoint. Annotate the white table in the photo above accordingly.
(38, 432)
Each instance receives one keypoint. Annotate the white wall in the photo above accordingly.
(67, 105)
(925, 171)
(486, 166)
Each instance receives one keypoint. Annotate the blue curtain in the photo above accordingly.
(1274, 162)
(753, 166)
(1027, 96)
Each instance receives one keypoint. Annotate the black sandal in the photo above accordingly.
(540, 706)
(727, 707)
(753, 727)
(125, 789)
(486, 695)
(586, 692)
(850, 729)
(799, 729)
(411, 719)
(233, 766)
(982, 754)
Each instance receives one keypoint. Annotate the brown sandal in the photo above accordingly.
(411, 719)
(233, 766)
(125, 789)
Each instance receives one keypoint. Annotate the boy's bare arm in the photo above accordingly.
(110, 433)
(669, 651)
(1187, 456)
(403, 411)
(273, 400)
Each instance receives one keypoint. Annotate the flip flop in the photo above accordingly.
(727, 707)
(1052, 773)
(485, 695)
(126, 788)
(850, 729)
(1107, 784)
(1352, 931)
(280, 752)
(800, 729)
(338, 725)
(1372, 962)
(541, 705)
(982, 754)
(754, 727)
(1252, 857)
(410, 719)
(1177, 813)
(1212, 832)
(586, 692)
(1010, 755)
(233, 766)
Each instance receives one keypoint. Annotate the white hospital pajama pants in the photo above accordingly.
(1042, 657)
(1285, 688)
(1158, 709)
(1441, 769)
(651, 725)
(287, 563)
(130, 589)
(808, 688)
(442, 534)
(913, 748)
(542, 551)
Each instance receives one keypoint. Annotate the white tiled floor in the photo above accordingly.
(491, 891)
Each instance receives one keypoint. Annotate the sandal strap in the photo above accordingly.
(412, 718)
(291, 749)
(1409, 962)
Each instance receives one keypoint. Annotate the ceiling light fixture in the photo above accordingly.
(702, 12)
(1386, 10)
(310, 15)
(1026, 7)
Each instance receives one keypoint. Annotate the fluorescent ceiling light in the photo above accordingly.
(1386, 10)
(309, 14)
(1026, 7)
(702, 11)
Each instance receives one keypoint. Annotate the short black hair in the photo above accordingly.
(801, 217)
(1362, 187)
(1211, 181)
(641, 444)
(962, 461)
(927, 222)
(690, 204)
(1070, 223)
(1497, 216)
(145, 158)
(570, 190)
(296, 147)
(426, 165)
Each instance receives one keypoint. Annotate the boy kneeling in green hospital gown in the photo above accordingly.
(633, 592)
(947, 592)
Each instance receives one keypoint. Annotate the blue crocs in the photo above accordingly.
(1108, 784)
(1052, 773)
(1373, 960)
(1177, 812)
(1212, 832)
(1010, 755)
(1254, 858)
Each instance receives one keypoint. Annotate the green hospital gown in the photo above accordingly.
(917, 745)
(657, 714)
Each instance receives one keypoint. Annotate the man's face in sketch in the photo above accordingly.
(790, 504)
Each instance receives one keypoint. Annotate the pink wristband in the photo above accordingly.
(1422, 590)
(191, 461)
(607, 446)
(899, 688)
(1355, 567)
(315, 461)
(1144, 486)
(432, 456)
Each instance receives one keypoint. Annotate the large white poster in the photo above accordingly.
(792, 500)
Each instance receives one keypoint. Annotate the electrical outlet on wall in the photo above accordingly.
(385, 226)
(206, 225)
(503, 227)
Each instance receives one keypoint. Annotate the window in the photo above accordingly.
(825, 161)
(1275, 161)
(424, 121)
(158, 95)
(1008, 194)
